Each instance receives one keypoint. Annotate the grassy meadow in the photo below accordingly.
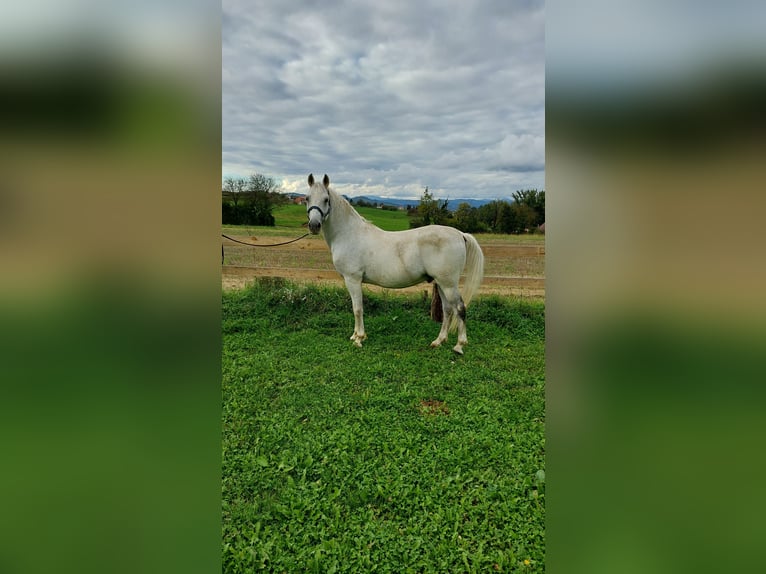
(390, 458)
(295, 215)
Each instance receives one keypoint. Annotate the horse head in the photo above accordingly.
(318, 203)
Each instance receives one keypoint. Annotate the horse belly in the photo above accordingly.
(395, 278)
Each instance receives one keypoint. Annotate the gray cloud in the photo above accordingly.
(386, 97)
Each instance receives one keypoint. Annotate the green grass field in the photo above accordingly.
(390, 458)
(295, 215)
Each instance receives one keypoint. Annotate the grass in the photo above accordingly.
(295, 216)
(385, 219)
(390, 458)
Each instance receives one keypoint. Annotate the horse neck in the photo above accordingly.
(343, 217)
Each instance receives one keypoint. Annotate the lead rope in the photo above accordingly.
(257, 245)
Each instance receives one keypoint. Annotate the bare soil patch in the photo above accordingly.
(433, 407)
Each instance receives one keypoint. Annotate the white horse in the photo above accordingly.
(364, 253)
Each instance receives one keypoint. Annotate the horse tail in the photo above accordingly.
(474, 273)
(474, 268)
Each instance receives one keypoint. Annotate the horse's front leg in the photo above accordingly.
(354, 287)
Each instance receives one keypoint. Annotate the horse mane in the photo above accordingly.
(338, 200)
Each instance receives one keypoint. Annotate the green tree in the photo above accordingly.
(495, 216)
(535, 201)
(250, 201)
(260, 191)
(525, 218)
(506, 218)
(431, 211)
(467, 219)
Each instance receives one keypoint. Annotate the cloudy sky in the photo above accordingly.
(386, 97)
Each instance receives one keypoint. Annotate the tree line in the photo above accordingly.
(524, 215)
(250, 201)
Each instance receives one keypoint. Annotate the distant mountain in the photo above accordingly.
(384, 200)
(452, 204)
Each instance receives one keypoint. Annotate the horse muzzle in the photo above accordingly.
(316, 219)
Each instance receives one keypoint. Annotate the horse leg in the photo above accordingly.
(453, 308)
(462, 339)
(354, 287)
(446, 313)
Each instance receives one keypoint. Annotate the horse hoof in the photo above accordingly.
(438, 341)
(458, 349)
(358, 343)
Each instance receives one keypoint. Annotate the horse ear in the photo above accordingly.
(311, 179)
(326, 180)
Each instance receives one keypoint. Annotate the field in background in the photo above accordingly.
(514, 264)
(390, 458)
(295, 216)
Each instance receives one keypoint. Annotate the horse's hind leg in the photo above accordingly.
(446, 314)
(462, 338)
(454, 313)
